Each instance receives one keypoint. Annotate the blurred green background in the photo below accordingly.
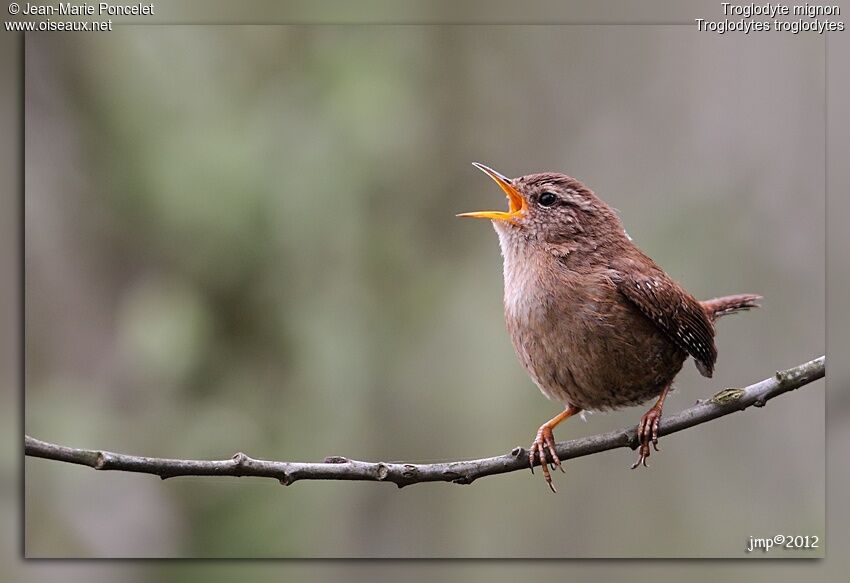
(242, 239)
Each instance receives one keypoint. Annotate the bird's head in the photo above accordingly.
(549, 210)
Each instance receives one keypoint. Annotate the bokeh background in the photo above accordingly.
(242, 239)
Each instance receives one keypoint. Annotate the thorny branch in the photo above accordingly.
(459, 472)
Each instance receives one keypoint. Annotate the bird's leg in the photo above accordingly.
(545, 440)
(647, 429)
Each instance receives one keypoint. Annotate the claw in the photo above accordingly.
(550, 444)
(541, 452)
(542, 442)
(655, 432)
(545, 440)
(647, 432)
(643, 454)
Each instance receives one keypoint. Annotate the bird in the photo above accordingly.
(595, 322)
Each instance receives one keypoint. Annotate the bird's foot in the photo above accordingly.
(647, 432)
(545, 440)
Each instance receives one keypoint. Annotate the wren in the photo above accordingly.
(593, 320)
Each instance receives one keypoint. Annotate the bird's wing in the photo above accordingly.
(678, 315)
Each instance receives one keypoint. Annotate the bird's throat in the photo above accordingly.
(524, 266)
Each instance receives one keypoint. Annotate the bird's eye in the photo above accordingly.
(548, 199)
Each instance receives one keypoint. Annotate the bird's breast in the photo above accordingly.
(579, 340)
(538, 327)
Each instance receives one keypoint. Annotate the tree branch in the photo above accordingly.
(459, 472)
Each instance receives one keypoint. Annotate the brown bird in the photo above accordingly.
(595, 322)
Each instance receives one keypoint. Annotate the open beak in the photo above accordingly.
(516, 202)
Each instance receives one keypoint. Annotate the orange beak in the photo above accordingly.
(516, 202)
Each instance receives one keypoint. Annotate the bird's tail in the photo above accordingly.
(730, 304)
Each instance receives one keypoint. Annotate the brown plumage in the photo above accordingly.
(595, 322)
